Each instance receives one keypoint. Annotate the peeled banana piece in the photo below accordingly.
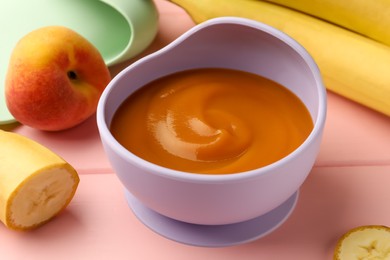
(364, 243)
(352, 65)
(35, 183)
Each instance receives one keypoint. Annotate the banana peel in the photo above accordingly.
(364, 243)
(352, 65)
(35, 183)
(369, 18)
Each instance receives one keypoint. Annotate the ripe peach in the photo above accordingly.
(54, 79)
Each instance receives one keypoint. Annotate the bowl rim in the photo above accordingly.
(217, 178)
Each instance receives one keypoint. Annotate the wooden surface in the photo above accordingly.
(348, 187)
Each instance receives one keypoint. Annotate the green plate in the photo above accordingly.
(120, 29)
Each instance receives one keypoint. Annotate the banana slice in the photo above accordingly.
(364, 243)
(35, 183)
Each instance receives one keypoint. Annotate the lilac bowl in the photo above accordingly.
(233, 43)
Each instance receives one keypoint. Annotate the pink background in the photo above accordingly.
(348, 187)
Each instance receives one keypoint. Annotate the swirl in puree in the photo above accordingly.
(212, 121)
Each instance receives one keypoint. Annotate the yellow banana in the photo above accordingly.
(35, 183)
(365, 242)
(352, 65)
(367, 17)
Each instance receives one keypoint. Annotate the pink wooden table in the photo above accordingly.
(348, 187)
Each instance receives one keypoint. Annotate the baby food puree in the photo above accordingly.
(212, 121)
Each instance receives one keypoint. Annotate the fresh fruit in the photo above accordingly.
(352, 65)
(35, 183)
(364, 243)
(369, 18)
(54, 79)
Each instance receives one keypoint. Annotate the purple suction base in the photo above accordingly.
(213, 235)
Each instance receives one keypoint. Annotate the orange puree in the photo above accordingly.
(212, 121)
